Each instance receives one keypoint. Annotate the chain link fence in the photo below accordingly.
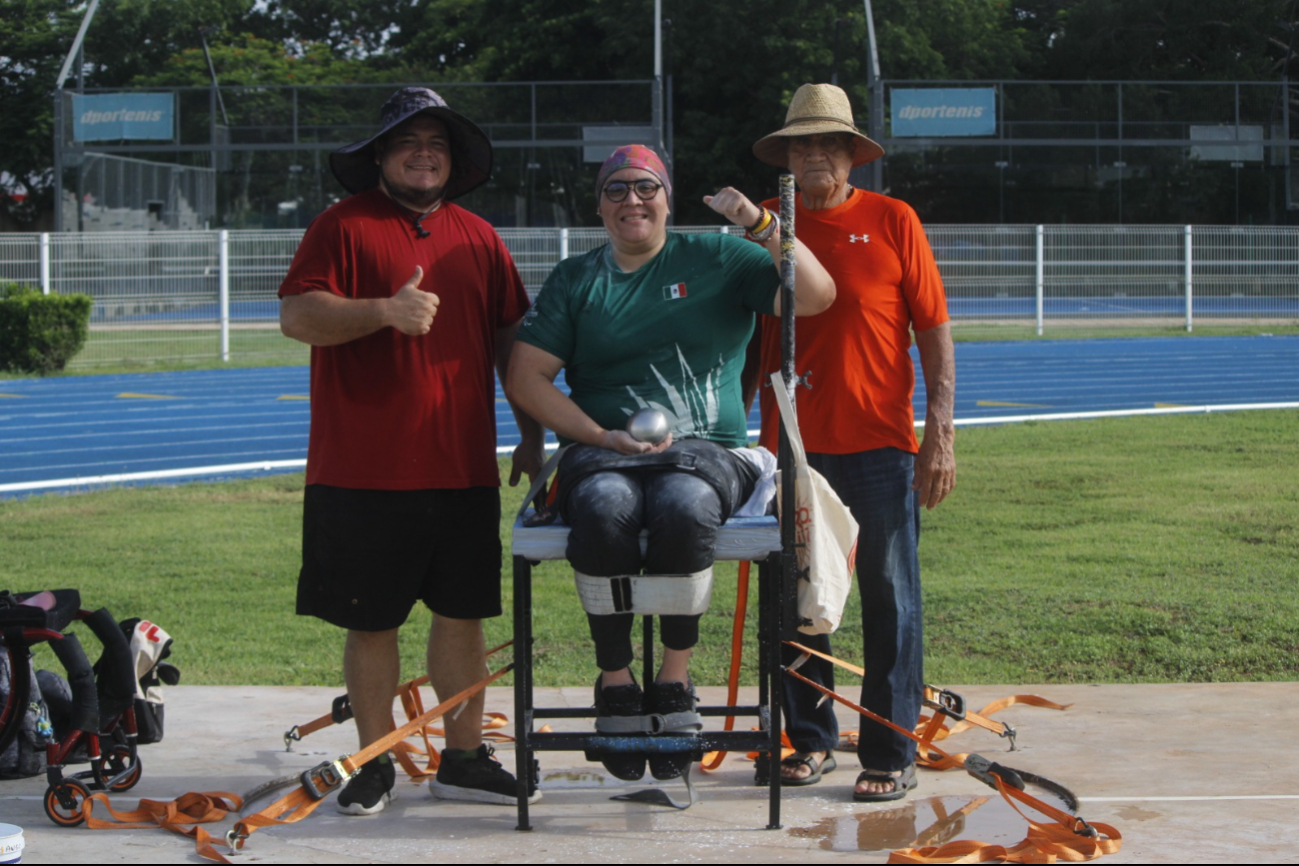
(182, 297)
(116, 193)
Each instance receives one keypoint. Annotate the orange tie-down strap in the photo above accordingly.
(408, 753)
(712, 760)
(1068, 838)
(413, 705)
(313, 786)
(948, 706)
(936, 728)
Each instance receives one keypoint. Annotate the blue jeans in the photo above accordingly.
(876, 487)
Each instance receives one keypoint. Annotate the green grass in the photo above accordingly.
(163, 350)
(1119, 550)
(1158, 549)
(131, 350)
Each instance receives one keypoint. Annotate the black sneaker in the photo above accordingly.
(370, 790)
(478, 779)
(621, 701)
(665, 698)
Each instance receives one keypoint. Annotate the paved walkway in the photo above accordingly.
(1187, 773)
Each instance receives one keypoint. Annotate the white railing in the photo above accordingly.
(179, 295)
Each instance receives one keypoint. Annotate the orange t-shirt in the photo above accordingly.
(855, 355)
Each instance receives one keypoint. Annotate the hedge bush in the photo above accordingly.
(40, 333)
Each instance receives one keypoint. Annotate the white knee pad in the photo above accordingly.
(670, 594)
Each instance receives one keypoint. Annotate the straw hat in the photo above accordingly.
(816, 109)
(471, 150)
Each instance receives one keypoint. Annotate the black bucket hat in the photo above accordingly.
(471, 150)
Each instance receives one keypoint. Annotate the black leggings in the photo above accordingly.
(680, 508)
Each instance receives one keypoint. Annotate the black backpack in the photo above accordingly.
(25, 756)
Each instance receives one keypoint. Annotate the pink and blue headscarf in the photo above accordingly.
(633, 156)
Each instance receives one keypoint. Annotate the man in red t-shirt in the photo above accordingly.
(409, 303)
(856, 421)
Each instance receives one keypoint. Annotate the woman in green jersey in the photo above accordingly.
(652, 319)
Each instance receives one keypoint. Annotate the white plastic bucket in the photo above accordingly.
(11, 844)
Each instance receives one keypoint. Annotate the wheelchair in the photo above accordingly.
(102, 722)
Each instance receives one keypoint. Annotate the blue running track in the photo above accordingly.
(71, 432)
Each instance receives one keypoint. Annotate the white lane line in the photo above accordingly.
(553, 446)
(94, 480)
(260, 466)
(1120, 413)
(259, 455)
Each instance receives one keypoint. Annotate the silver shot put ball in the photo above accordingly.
(648, 425)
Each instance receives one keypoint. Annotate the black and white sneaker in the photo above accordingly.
(620, 701)
(679, 700)
(370, 790)
(476, 777)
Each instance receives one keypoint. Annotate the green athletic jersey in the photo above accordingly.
(672, 335)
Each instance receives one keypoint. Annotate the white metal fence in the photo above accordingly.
(177, 296)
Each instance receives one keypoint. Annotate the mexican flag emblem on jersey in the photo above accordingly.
(671, 293)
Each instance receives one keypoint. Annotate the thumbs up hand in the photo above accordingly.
(411, 309)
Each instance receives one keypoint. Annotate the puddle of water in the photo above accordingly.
(1136, 813)
(573, 779)
(921, 822)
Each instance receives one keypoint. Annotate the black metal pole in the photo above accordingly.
(523, 761)
(785, 461)
(787, 290)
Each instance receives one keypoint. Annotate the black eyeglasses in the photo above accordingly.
(617, 190)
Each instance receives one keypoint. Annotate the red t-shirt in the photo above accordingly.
(391, 411)
(856, 354)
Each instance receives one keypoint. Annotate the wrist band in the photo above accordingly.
(764, 234)
(761, 223)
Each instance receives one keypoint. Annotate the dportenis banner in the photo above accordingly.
(943, 111)
(123, 117)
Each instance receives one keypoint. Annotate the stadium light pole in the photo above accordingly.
(76, 43)
(875, 118)
(657, 97)
(59, 132)
(658, 39)
(211, 70)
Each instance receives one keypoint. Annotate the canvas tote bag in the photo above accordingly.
(825, 531)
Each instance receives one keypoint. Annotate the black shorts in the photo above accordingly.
(368, 555)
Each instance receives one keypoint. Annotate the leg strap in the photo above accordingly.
(688, 722)
(669, 594)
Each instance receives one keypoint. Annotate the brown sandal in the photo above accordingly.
(816, 770)
(904, 781)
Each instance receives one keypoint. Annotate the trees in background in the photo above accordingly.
(733, 65)
(34, 32)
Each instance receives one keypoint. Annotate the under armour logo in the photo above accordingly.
(863, 238)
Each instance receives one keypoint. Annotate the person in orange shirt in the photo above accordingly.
(856, 382)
